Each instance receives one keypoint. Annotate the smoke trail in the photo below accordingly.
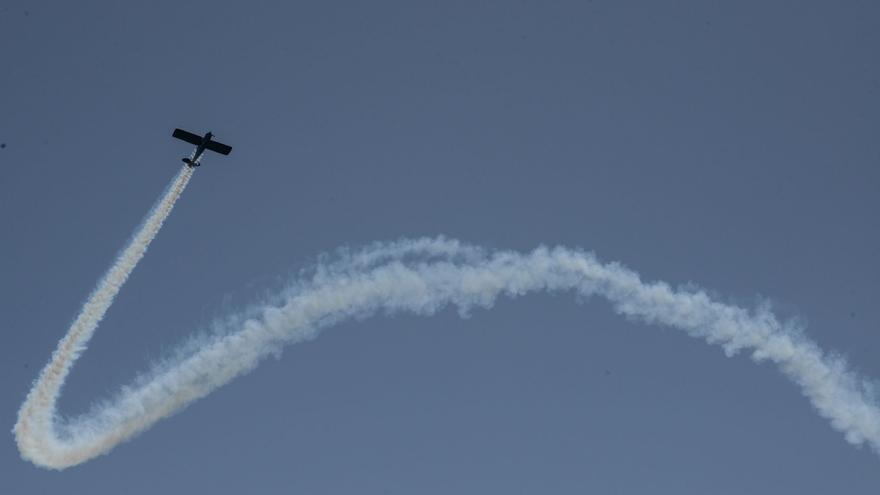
(420, 276)
(34, 430)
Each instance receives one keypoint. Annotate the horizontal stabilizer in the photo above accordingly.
(187, 136)
(218, 147)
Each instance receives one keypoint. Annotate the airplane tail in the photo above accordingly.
(190, 162)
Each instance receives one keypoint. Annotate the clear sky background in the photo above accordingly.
(729, 144)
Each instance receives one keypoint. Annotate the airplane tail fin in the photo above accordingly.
(189, 162)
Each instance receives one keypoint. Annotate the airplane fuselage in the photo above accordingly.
(194, 161)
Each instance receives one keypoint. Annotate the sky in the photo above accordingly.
(731, 145)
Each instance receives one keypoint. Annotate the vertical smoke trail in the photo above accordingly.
(34, 429)
(418, 276)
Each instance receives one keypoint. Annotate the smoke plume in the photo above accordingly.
(419, 276)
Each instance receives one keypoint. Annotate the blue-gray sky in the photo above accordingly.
(731, 145)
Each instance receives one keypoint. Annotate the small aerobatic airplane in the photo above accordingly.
(202, 143)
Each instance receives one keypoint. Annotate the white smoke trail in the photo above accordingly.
(34, 430)
(420, 276)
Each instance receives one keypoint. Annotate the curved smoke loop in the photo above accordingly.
(419, 276)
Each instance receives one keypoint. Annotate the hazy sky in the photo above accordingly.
(732, 145)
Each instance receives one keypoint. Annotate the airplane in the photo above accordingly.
(202, 143)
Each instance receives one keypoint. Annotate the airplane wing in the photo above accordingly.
(218, 147)
(187, 136)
